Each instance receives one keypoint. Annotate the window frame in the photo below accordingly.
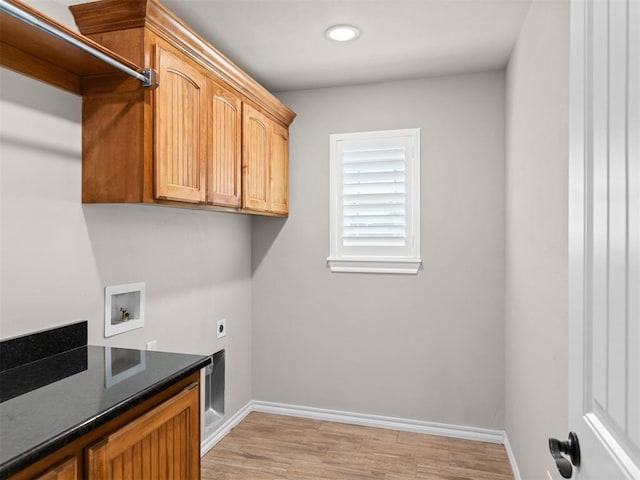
(377, 260)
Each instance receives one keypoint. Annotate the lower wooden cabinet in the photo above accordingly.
(157, 439)
(162, 444)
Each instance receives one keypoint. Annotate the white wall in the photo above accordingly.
(536, 237)
(428, 347)
(57, 255)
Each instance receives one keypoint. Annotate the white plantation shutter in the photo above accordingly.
(375, 199)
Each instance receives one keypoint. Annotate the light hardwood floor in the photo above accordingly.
(270, 447)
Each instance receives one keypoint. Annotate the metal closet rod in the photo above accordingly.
(146, 77)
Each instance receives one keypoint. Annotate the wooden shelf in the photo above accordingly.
(33, 52)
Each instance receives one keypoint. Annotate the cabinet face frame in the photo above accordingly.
(179, 129)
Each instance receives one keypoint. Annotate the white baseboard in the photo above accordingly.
(392, 423)
(378, 421)
(512, 457)
(221, 432)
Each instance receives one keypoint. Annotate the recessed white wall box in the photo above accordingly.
(123, 308)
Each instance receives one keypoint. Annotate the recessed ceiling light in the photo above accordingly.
(342, 33)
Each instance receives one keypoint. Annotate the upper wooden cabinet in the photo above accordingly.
(265, 165)
(207, 137)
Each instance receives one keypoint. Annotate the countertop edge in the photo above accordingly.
(46, 448)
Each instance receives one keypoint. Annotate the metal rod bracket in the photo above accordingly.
(150, 78)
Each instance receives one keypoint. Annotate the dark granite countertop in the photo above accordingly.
(50, 402)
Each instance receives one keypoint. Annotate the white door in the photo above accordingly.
(604, 238)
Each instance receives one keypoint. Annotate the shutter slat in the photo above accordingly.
(363, 167)
(375, 182)
(373, 235)
(381, 188)
(383, 175)
(374, 242)
(382, 230)
(373, 155)
(374, 214)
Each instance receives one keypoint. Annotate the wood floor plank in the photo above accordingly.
(362, 432)
(276, 447)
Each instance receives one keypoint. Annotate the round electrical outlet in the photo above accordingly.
(222, 328)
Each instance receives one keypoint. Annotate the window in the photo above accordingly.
(375, 202)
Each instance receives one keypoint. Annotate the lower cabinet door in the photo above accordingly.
(67, 470)
(164, 443)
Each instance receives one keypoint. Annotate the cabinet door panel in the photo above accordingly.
(179, 130)
(162, 444)
(67, 470)
(225, 162)
(279, 171)
(255, 159)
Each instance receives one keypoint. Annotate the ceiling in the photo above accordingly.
(282, 43)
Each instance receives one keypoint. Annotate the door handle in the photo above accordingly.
(569, 447)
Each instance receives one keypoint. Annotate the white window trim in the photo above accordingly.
(374, 264)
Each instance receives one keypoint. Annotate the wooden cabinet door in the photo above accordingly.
(162, 444)
(67, 470)
(255, 159)
(224, 109)
(279, 170)
(180, 129)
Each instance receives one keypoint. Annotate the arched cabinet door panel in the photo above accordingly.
(255, 159)
(224, 145)
(180, 130)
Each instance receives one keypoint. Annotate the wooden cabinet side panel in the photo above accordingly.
(129, 43)
(224, 111)
(179, 130)
(279, 171)
(159, 444)
(255, 154)
(113, 148)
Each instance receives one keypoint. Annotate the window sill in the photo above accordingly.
(369, 265)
